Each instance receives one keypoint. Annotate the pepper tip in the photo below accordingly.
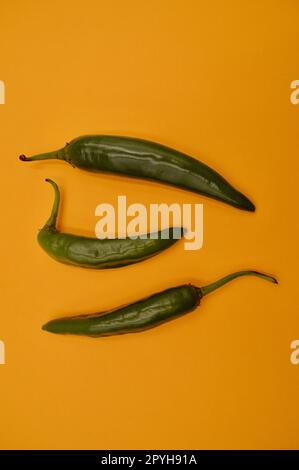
(250, 206)
(45, 327)
(23, 158)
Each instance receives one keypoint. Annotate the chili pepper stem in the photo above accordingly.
(51, 222)
(215, 285)
(56, 154)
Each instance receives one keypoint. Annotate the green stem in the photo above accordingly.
(41, 156)
(51, 222)
(215, 285)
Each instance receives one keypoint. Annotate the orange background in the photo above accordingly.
(210, 79)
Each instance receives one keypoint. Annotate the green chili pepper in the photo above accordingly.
(144, 159)
(144, 314)
(99, 254)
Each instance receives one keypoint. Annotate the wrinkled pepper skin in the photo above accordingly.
(139, 316)
(143, 314)
(149, 160)
(99, 254)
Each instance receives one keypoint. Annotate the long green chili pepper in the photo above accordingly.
(99, 254)
(144, 314)
(144, 159)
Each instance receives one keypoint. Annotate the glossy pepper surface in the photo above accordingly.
(144, 159)
(144, 314)
(99, 254)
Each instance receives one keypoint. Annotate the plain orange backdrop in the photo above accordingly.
(211, 79)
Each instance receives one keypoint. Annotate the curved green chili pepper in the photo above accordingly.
(144, 314)
(144, 159)
(99, 254)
